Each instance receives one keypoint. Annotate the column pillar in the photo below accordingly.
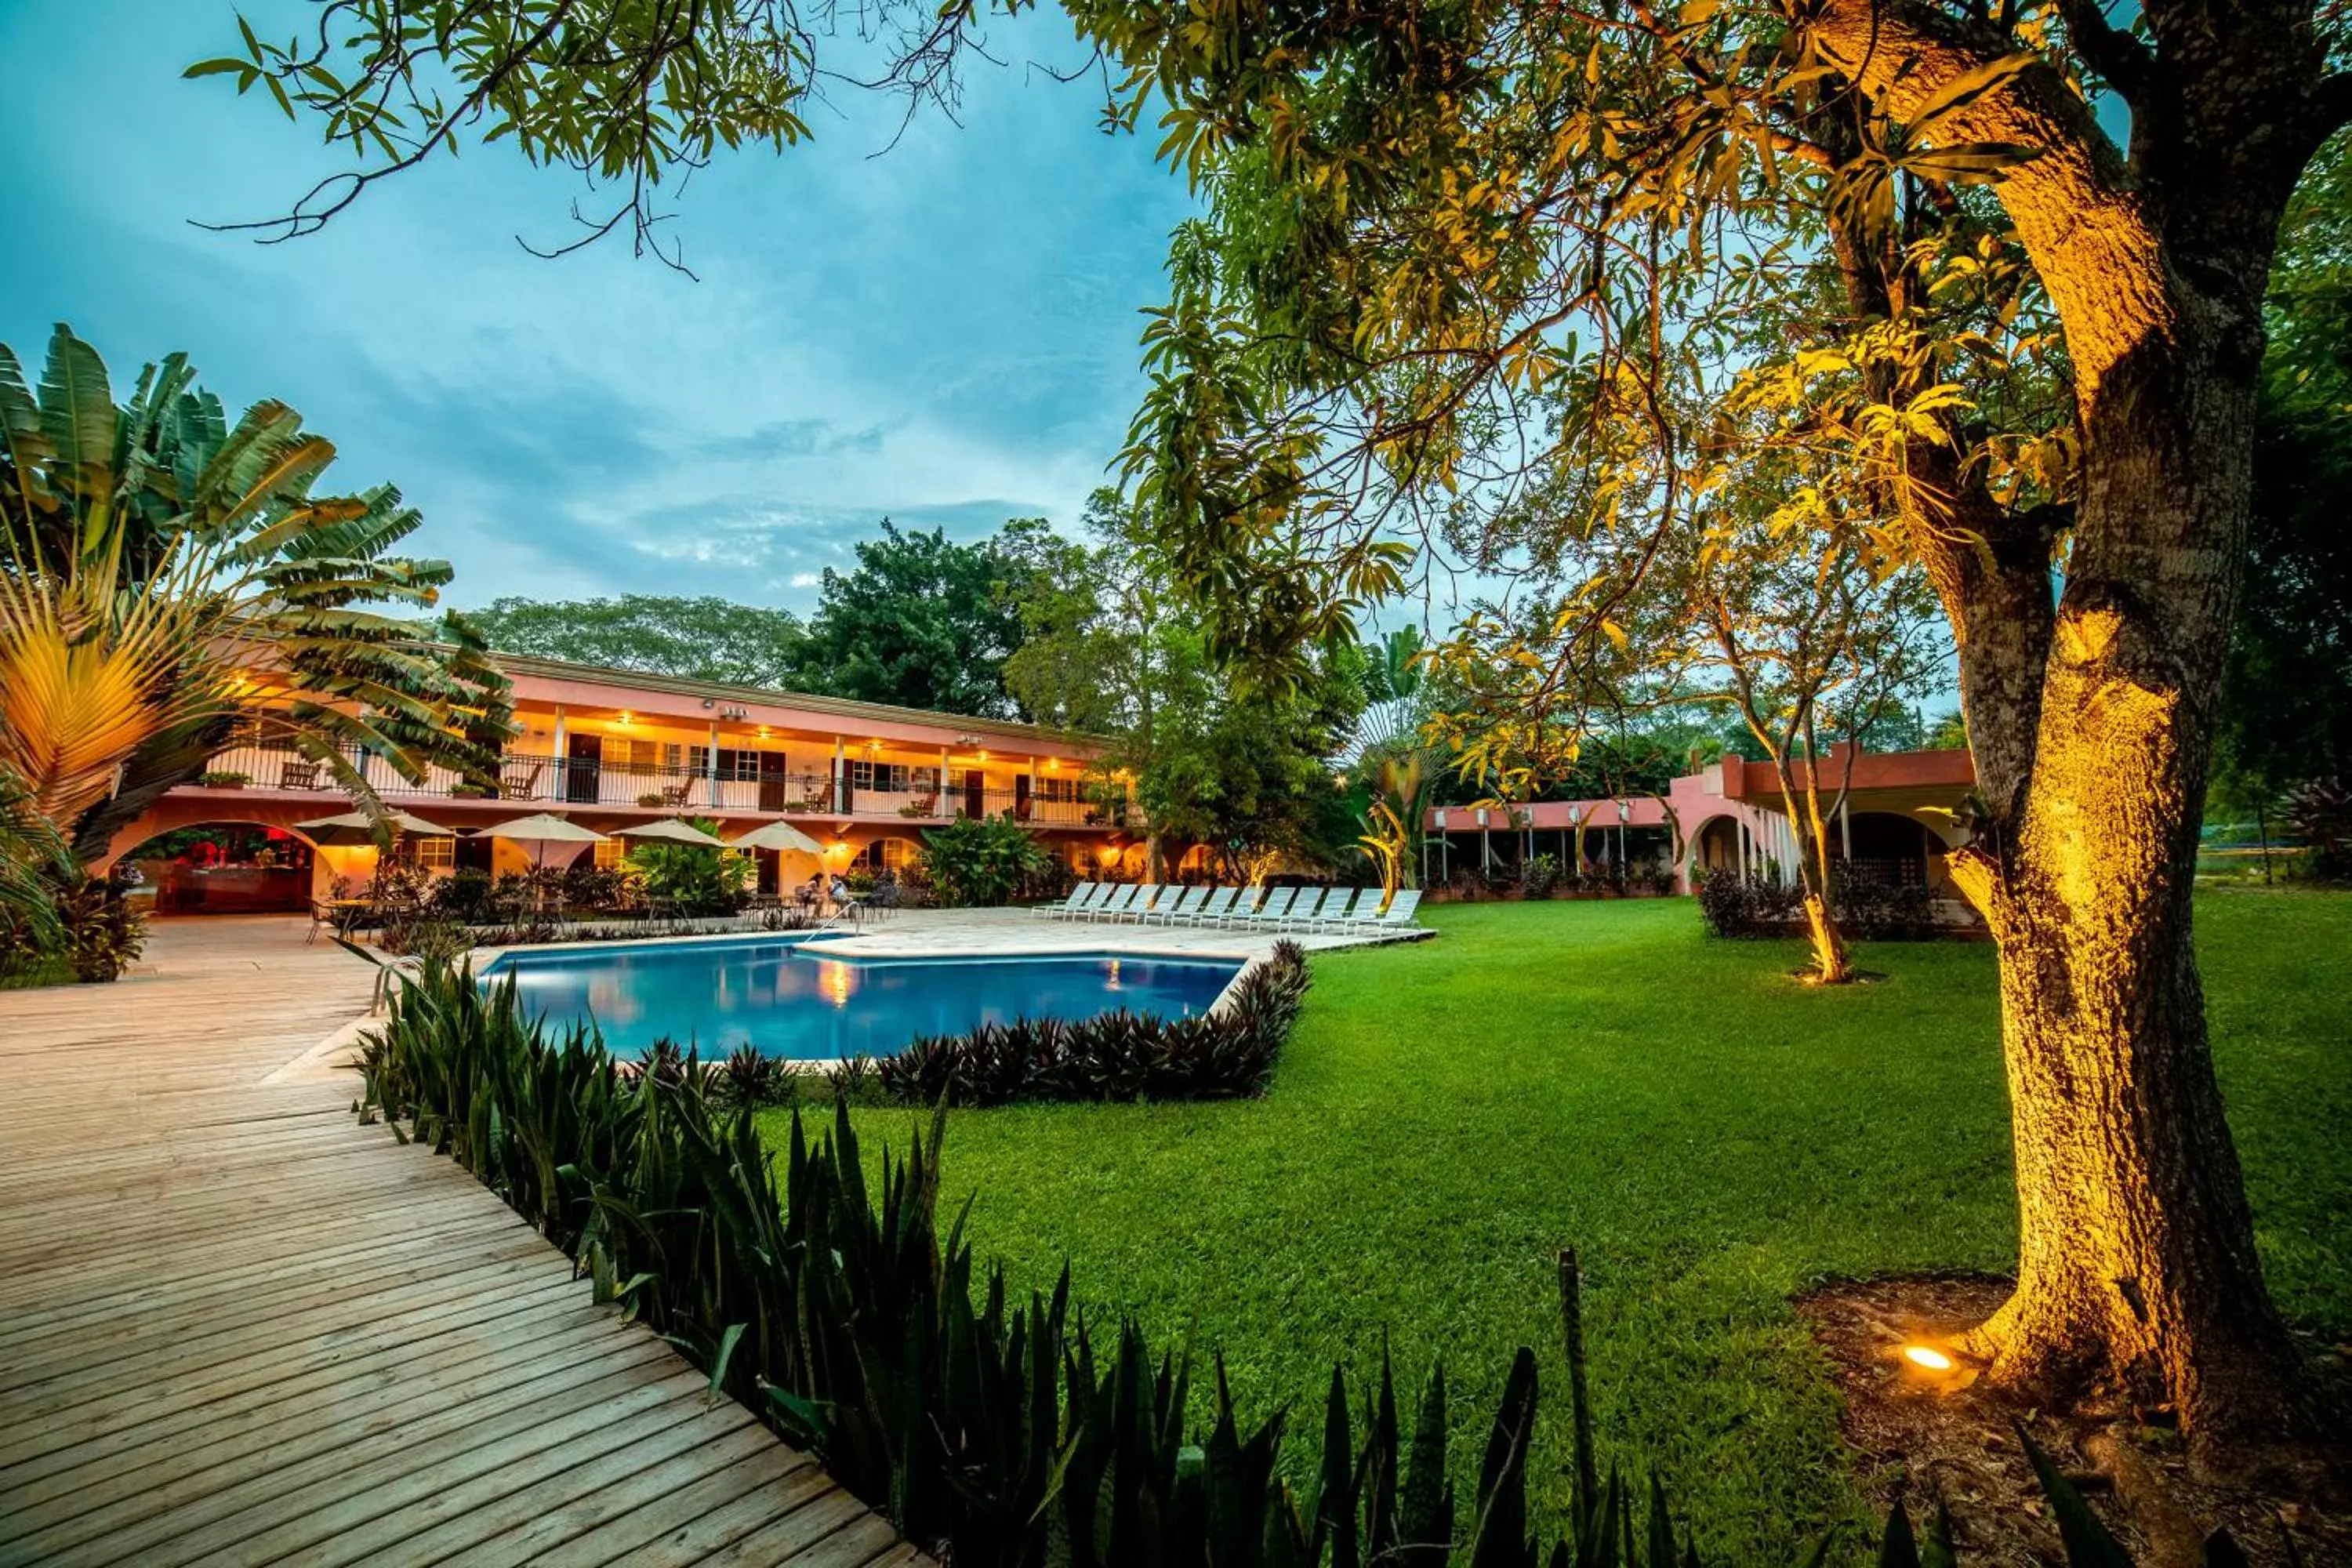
(840, 780)
(710, 766)
(561, 788)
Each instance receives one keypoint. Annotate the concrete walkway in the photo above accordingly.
(236, 1327)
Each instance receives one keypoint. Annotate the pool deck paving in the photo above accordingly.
(237, 1326)
(1003, 934)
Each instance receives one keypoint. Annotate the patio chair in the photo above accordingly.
(525, 787)
(299, 776)
(674, 795)
(1153, 891)
(1244, 906)
(1399, 914)
(1339, 907)
(1187, 900)
(1212, 909)
(1121, 896)
(1076, 899)
(1304, 914)
(1269, 914)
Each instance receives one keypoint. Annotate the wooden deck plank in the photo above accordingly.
(152, 1456)
(690, 1525)
(237, 1326)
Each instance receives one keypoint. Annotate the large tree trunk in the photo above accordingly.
(2093, 728)
(2136, 1255)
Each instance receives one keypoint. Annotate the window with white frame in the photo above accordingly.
(431, 854)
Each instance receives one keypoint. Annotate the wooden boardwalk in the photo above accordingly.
(236, 1327)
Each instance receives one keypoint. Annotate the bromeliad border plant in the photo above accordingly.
(1121, 1056)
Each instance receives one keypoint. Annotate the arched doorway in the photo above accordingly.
(891, 855)
(1716, 846)
(226, 868)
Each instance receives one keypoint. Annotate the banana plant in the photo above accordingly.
(168, 579)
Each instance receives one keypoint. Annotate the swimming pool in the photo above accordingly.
(786, 996)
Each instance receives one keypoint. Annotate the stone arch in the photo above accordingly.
(1714, 845)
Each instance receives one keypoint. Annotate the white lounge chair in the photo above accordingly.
(1212, 909)
(1269, 914)
(1399, 914)
(1165, 913)
(1078, 898)
(1122, 898)
(1302, 915)
(1348, 908)
(1153, 896)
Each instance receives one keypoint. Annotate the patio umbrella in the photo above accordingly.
(672, 831)
(787, 841)
(358, 827)
(778, 835)
(540, 830)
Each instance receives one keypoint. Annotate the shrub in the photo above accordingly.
(1121, 1056)
(2319, 812)
(974, 862)
(695, 878)
(468, 895)
(1875, 909)
(1736, 906)
(752, 1077)
(101, 933)
(223, 778)
(1538, 875)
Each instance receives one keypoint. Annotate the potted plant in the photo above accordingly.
(650, 798)
(223, 778)
(471, 792)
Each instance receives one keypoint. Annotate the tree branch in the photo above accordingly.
(2121, 59)
(2091, 237)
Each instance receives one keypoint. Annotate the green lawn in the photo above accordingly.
(1712, 1138)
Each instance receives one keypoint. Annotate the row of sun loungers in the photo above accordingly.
(1340, 910)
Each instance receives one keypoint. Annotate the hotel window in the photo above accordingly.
(638, 756)
(431, 854)
(733, 762)
(610, 853)
(1055, 788)
(889, 776)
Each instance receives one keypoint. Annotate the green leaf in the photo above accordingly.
(727, 1343)
(2088, 1543)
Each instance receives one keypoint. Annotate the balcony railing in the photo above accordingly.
(571, 781)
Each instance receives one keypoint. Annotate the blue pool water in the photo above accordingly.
(785, 996)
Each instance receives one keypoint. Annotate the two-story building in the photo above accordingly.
(607, 748)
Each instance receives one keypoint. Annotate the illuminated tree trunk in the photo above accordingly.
(2092, 726)
(2136, 1254)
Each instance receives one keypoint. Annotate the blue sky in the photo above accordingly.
(945, 334)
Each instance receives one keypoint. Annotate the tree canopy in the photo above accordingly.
(2286, 712)
(704, 638)
(925, 621)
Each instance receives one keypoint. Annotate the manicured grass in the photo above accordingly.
(1711, 1137)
